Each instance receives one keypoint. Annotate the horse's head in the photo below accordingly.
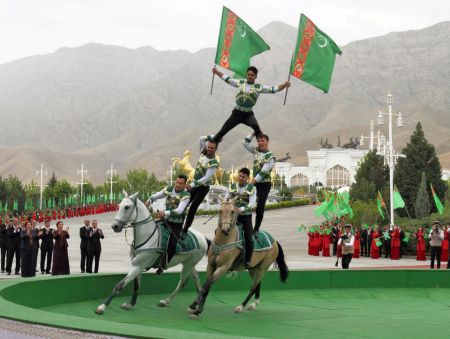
(227, 215)
(127, 212)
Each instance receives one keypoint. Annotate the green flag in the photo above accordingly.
(1, 207)
(324, 206)
(380, 203)
(314, 55)
(398, 200)
(438, 203)
(6, 206)
(237, 43)
(386, 235)
(302, 228)
(378, 242)
(406, 238)
(15, 205)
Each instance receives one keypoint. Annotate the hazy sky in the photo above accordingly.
(29, 27)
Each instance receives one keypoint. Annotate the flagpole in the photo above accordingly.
(385, 208)
(289, 78)
(212, 81)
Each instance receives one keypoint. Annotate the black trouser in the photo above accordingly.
(346, 258)
(44, 254)
(246, 221)
(387, 249)
(262, 192)
(197, 195)
(172, 244)
(369, 246)
(84, 255)
(3, 256)
(238, 117)
(436, 253)
(90, 258)
(363, 243)
(335, 241)
(10, 256)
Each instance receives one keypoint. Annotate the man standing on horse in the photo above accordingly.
(248, 93)
(245, 203)
(176, 203)
(204, 173)
(262, 167)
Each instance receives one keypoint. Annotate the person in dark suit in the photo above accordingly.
(402, 243)
(35, 228)
(28, 245)
(335, 233)
(363, 241)
(46, 236)
(369, 240)
(13, 246)
(84, 235)
(4, 241)
(94, 247)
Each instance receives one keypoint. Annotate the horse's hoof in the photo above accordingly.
(193, 316)
(190, 310)
(253, 305)
(239, 309)
(162, 303)
(126, 306)
(100, 309)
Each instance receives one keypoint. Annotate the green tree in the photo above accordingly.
(420, 157)
(372, 176)
(15, 191)
(422, 205)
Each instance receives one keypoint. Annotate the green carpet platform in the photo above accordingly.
(313, 304)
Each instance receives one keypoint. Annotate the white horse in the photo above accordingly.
(143, 251)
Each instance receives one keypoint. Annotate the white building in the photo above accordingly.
(334, 167)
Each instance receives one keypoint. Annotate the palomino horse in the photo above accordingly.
(143, 251)
(223, 253)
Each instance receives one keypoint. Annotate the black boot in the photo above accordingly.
(162, 264)
(248, 255)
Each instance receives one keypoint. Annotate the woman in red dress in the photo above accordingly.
(356, 244)
(395, 244)
(420, 244)
(374, 250)
(444, 250)
(317, 243)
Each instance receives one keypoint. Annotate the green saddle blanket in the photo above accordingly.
(262, 240)
(188, 245)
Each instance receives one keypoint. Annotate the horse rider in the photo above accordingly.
(246, 201)
(248, 93)
(207, 166)
(176, 203)
(262, 167)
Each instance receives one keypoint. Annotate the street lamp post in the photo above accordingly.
(390, 157)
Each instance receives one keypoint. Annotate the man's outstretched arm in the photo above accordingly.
(224, 77)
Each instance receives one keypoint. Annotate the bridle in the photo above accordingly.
(135, 224)
(233, 221)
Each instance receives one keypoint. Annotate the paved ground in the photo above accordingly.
(282, 224)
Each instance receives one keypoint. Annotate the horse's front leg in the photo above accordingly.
(137, 283)
(201, 299)
(136, 269)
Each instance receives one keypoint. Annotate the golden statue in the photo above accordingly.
(184, 164)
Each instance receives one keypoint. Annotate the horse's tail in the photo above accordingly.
(281, 263)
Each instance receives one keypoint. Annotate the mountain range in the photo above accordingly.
(100, 104)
